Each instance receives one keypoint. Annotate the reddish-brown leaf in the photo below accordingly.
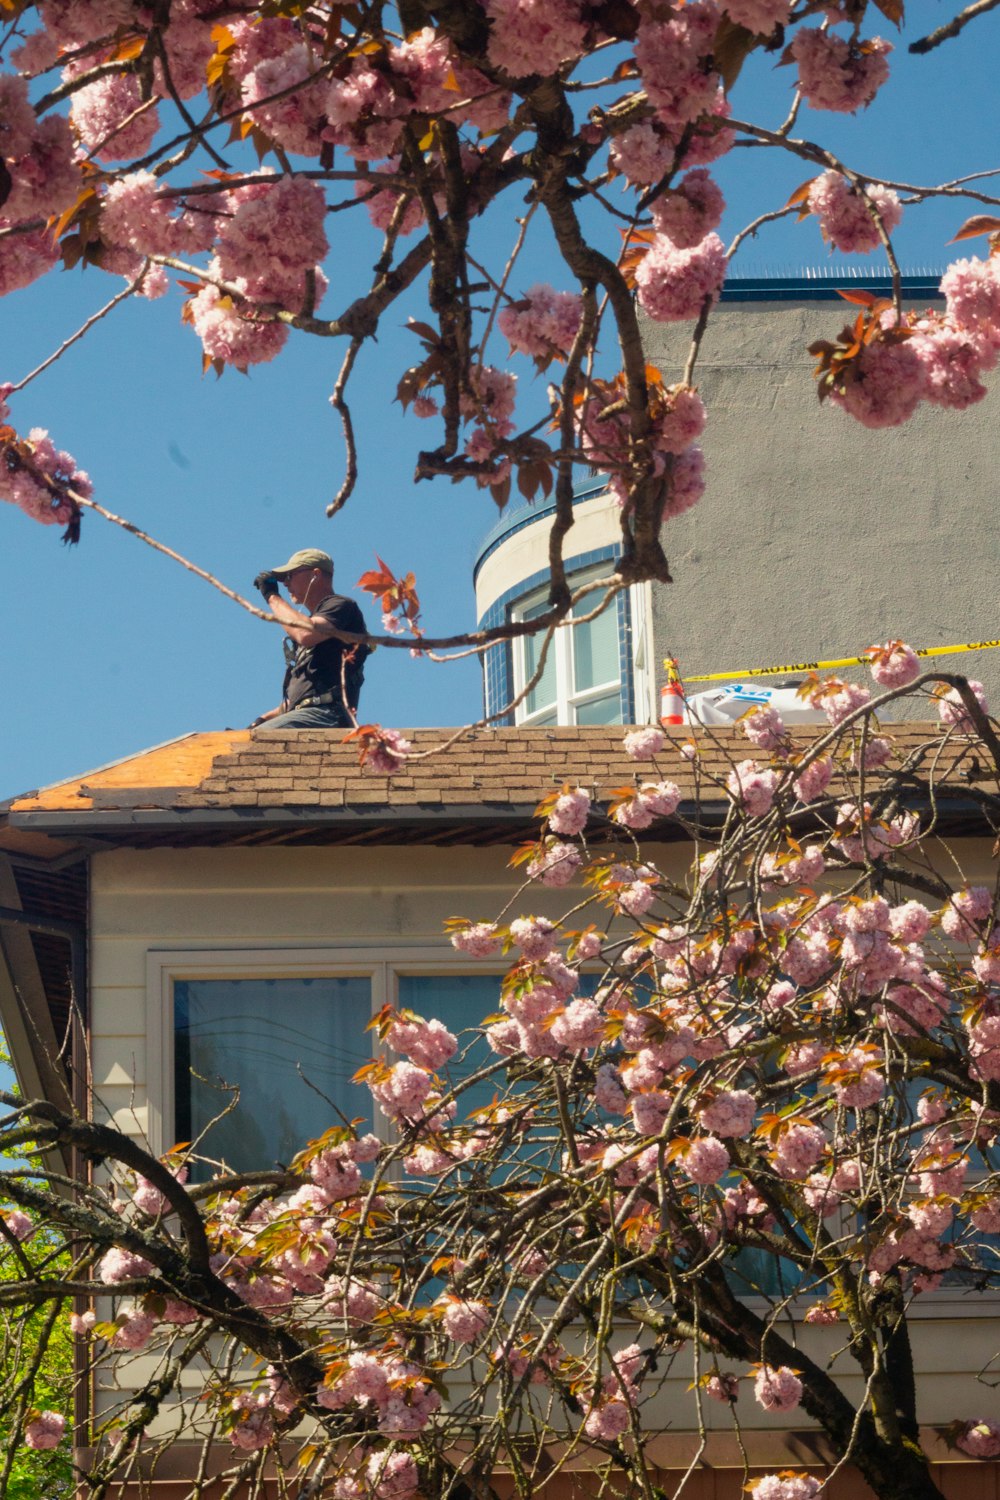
(977, 225)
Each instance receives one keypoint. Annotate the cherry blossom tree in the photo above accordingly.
(218, 143)
(729, 1100)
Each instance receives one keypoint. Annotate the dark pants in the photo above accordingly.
(322, 716)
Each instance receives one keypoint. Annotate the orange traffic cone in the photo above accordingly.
(672, 695)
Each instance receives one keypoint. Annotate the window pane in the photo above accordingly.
(544, 691)
(595, 650)
(461, 1001)
(606, 710)
(257, 1034)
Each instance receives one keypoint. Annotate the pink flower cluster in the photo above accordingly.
(685, 214)
(543, 324)
(674, 284)
(646, 153)
(478, 939)
(644, 744)
(534, 36)
(839, 75)
(570, 812)
(427, 1043)
(731, 1113)
(785, 1487)
(652, 800)
(673, 59)
(845, 217)
(893, 665)
(980, 1439)
(760, 16)
(777, 1389)
(752, 786)
(953, 711)
(45, 1431)
(556, 864)
(464, 1321)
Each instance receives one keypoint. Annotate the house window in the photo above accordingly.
(581, 679)
(257, 1050)
(263, 1065)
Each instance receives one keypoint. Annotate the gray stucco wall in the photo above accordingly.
(816, 537)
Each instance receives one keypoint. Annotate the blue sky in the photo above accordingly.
(111, 648)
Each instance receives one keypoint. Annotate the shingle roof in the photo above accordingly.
(487, 780)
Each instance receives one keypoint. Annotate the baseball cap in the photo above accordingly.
(309, 557)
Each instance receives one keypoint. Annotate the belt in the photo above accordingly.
(323, 700)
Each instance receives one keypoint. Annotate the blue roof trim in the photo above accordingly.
(824, 286)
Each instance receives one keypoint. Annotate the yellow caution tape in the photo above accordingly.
(819, 666)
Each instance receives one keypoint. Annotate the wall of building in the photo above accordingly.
(383, 901)
(816, 537)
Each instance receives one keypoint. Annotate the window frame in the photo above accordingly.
(561, 653)
(382, 966)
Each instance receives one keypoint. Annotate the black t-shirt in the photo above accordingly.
(314, 671)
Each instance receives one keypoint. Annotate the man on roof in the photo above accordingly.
(323, 674)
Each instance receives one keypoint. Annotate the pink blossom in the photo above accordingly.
(38, 52)
(427, 1043)
(149, 1200)
(685, 214)
(581, 1025)
(966, 911)
(135, 1329)
(227, 335)
(673, 285)
(273, 230)
(980, 1439)
(297, 120)
(811, 783)
(821, 1314)
(722, 1387)
(952, 709)
(777, 1389)
(404, 1092)
(18, 1224)
(122, 1265)
(45, 1431)
(763, 727)
(555, 864)
(543, 324)
(887, 385)
(705, 1160)
(635, 898)
(99, 112)
(798, 1150)
(730, 1113)
(839, 75)
(845, 218)
(953, 361)
(46, 179)
(253, 1427)
(464, 1322)
(17, 118)
(910, 921)
(672, 56)
(893, 664)
(479, 939)
(645, 153)
(649, 1110)
(386, 753)
(389, 207)
(986, 1217)
(25, 257)
(74, 23)
(607, 1422)
(533, 36)
(644, 744)
(839, 699)
(971, 290)
(759, 16)
(752, 786)
(608, 1092)
(535, 936)
(570, 813)
(785, 1487)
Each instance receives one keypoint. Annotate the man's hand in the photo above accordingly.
(268, 584)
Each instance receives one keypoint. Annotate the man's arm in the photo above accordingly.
(305, 630)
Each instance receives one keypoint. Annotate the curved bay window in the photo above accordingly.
(581, 679)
